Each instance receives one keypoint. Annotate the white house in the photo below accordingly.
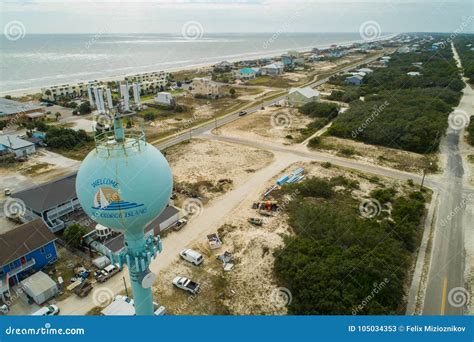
(365, 70)
(273, 69)
(15, 145)
(413, 73)
(300, 96)
(164, 98)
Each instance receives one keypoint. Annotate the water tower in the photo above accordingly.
(123, 184)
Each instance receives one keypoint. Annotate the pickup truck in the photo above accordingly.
(106, 273)
(186, 284)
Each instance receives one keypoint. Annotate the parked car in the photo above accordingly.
(83, 289)
(242, 113)
(186, 284)
(49, 310)
(106, 273)
(192, 256)
(180, 224)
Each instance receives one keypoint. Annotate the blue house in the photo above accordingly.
(25, 250)
(354, 80)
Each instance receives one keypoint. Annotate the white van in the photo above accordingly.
(49, 310)
(192, 256)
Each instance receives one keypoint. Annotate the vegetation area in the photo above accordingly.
(464, 45)
(470, 131)
(401, 111)
(321, 113)
(73, 235)
(337, 256)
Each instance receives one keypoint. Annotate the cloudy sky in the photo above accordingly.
(160, 16)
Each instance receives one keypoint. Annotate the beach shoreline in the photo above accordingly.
(253, 55)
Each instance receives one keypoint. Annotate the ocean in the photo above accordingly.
(38, 60)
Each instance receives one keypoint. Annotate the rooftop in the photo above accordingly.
(23, 239)
(13, 142)
(10, 107)
(306, 91)
(49, 195)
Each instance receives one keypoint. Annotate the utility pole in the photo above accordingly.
(125, 286)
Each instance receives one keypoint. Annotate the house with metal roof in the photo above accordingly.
(273, 69)
(300, 96)
(50, 201)
(10, 109)
(24, 250)
(19, 147)
(354, 80)
(247, 73)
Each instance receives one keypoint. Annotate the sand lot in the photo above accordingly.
(378, 155)
(273, 124)
(204, 161)
(251, 286)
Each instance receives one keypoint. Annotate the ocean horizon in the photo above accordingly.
(39, 60)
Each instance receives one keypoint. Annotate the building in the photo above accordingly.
(223, 66)
(354, 80)
(160, 77)
(14, 110)
(69, 90)
(365, 70)
(105, 241)
(273, 69)
(19, 147)
(24, 250)
(300, 96)
(206, 87)
(40, 287)
(164, 98)
(413, 73)
(50, 202)
(247, 73)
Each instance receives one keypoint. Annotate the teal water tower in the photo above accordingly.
(123, 184)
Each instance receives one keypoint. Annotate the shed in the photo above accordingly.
(40, 287)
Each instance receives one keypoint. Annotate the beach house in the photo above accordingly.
(273, 69)
(247, 73)
(164, 98)
(354, 80)
(300, 96)
(205, 87)
(24, 250)
(19, 147)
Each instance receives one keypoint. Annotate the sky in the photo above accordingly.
(215, 16)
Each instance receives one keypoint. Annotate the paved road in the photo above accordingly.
(447, 265)
(193, 132)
